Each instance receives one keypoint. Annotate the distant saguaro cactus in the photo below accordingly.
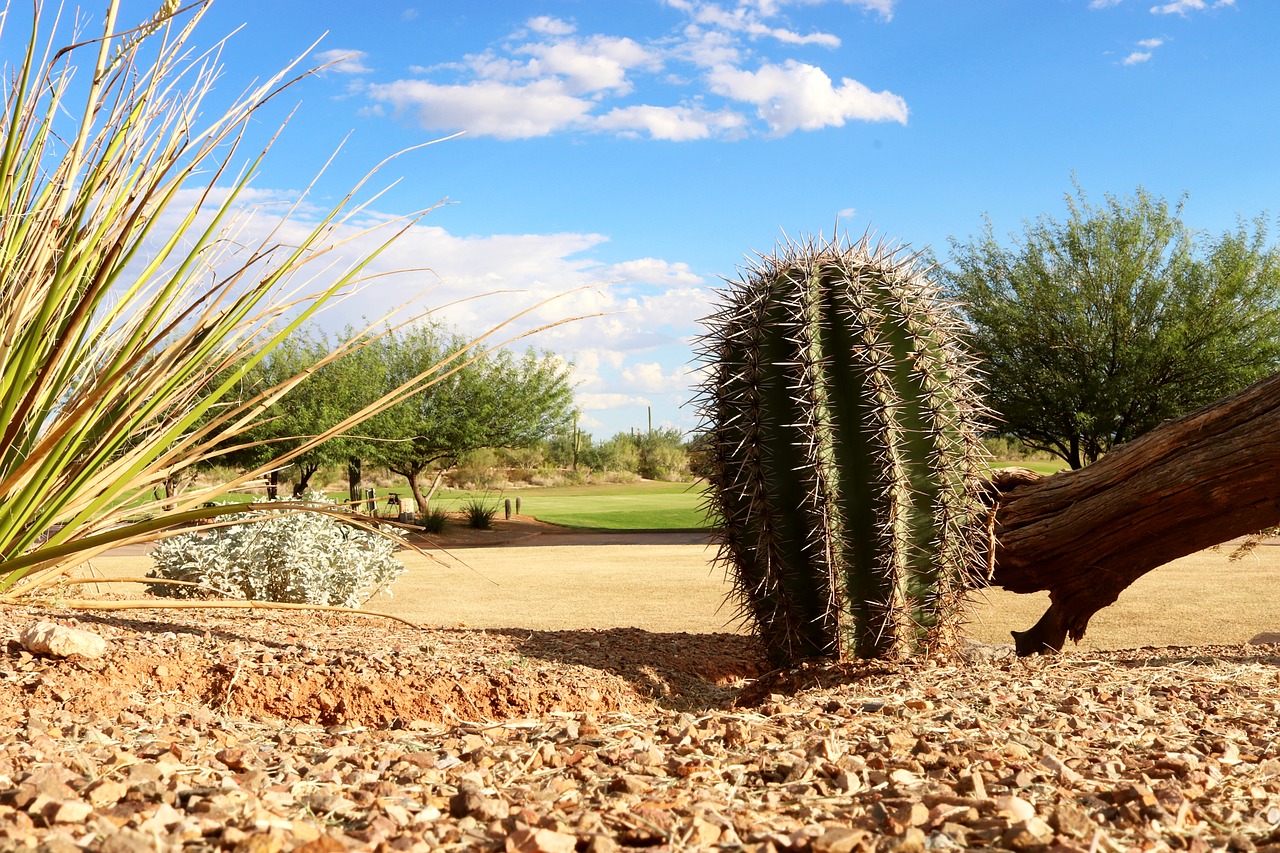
(842, 423)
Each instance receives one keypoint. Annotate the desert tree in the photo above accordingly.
(1096, 328)
(492, 399)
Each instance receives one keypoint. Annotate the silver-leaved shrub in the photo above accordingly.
(300, 557)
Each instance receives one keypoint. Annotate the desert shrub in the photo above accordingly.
(523, 457)
(615, 477)
(434, 521)
(300, 557)
(665, 462)
(479, 513)
(620, 453)
(521, 475)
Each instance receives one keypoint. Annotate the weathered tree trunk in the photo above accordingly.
(1087, 535)
(355, 472)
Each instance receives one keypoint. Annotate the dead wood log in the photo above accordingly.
(1086, 535)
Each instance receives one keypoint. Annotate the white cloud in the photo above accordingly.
(774, 7)
(593, 65)
(547, 78)
(486, 108)
(797, 96)
(675, 124)
(649, 377)
(1104, 4)
(596, 402)
(1182, 7)
(884, 7)
(746, 20)
(654, 271)
(547, 25)
(340, 61)
(1147, 46)
(847, 213)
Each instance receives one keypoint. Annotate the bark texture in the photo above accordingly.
(1086, 535)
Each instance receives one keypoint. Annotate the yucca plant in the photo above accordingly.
(842, 448)
(126, 319)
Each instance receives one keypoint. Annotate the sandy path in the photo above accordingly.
(569, 581)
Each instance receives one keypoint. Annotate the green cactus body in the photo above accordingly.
(843, 429)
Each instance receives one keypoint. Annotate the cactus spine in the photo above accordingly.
(842, 421)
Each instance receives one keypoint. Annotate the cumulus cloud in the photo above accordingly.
(548, 78)
(798, 96)
(486, 107)
(550, 26)
(1144, 53)
(1182, 7)
(747, 20)
(675, 124)
(654, 271)
(650, 377)
(341, 61)
(590, 401)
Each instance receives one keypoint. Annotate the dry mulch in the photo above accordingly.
(268, 732)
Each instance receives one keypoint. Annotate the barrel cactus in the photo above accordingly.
(842, 423)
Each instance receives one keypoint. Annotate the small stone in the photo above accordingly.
(1015, 808)
(603, 844)
(1266, 638)
(1029, 834)
(128, 840)
(1069, 819)
(703, 833)
(469, 802)
(838, 840)
(628, 785)
(911, 814)
(58, 640)
(911, 841)
(973, 785)
(69, 811)
(529, 840)
(106, 792)
(1056, 766)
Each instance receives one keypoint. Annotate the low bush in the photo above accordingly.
(479, 513)
(299, 557)
(434, 521)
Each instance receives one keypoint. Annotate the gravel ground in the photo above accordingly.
(234, 731)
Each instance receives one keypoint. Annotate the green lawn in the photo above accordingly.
(645, 505)
(634, 506)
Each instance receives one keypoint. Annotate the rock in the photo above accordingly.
(1064, 773)
(1029, 834)
(528, 840)
(51, 639)
(1015, 808)
(911, 841)
(470, 802)
(1266, 638)
(1071, 820)
(976, 652)
(839, 840)
(973, 784)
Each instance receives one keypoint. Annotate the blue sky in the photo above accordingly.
(649, 146)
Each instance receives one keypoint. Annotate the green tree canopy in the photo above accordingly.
(1096, 328)
(329, 395)
(498, 399)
